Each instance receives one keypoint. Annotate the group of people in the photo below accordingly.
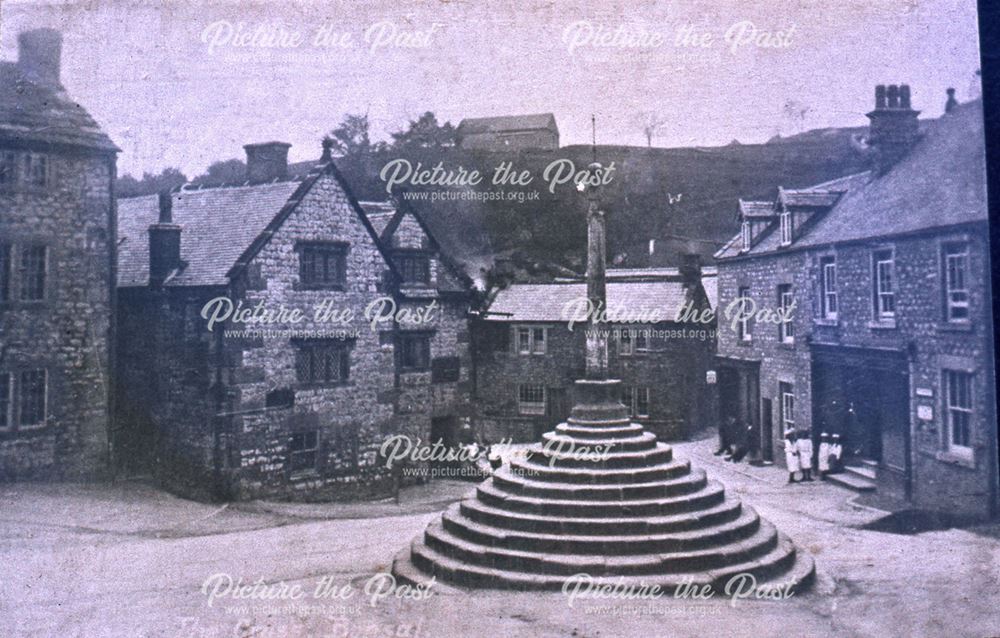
(799, 454)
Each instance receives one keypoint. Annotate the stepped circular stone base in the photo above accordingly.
(601, 496)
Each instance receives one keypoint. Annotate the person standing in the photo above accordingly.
(725, 435)
(791, 455)
(823, 461)
(804, 444)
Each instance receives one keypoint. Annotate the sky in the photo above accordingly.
(185, 83)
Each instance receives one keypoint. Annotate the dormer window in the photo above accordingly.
(745, 234)
(785, 221)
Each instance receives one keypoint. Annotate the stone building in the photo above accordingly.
(57, 261)
(509, 133)
(527, 357)
(890, 343)
(285, 406)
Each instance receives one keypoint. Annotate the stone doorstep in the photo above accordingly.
(851, 481)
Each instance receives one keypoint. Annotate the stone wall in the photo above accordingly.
(68, 332)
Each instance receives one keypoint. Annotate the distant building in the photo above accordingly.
(57, 261)
(288, 409)
(527, 358)
(891, 342)
(509, 133)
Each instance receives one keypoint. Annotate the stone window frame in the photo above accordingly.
(948, 303)
(14, 279)
(339, 250)
(21, 170)
(630, 399)
(14, 396)
(533, 340)
(308, 448)
(308, 347)
(529, 407)
(404, 256)
(425, 338)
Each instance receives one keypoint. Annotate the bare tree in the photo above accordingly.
(651, 124)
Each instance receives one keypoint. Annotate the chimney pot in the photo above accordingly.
(38, 55)
(267, 162)
(893, 94)
(952, 102)
(327, 150)
(880, 96)
(904, 96)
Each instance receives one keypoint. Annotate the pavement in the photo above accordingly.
(127, 559)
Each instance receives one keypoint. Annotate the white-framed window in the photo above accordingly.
(828, 284)
(958, 412)
(632, 341)
(531, 340)
(743, 326)
(786, 301)
(884, 280)
(745, 235)
(636, 401)
(531, 399)
(956, 282)
(785, 226)
(787, 395)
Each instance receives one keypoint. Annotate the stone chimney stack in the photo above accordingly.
(893, 127)
(164, 243)
(38, 56)
(267, 162)
(690, 269)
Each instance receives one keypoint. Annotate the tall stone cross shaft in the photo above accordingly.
(597, 338)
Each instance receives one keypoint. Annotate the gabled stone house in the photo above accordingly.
(297, 407)
(527, 357)
(891, 341)
(507, 133)
(57, 264)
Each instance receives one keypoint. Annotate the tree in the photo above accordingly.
(231, 171)
(651, 124)
(352, 138)
(167, 179)
(424, 132)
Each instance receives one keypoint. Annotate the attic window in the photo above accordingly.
(785, 221)
(414, 267)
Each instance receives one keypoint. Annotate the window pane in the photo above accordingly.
(322, 264)
(5, 403)
(32, 397)
(33, 273)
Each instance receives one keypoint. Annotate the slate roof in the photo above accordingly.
(379, 214)
(536, 121)
(217, 225)
(941, 182)
(33, 112)
(545, 302)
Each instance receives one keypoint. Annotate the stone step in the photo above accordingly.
(851, 481)
(600, 459)
(762, 541)
(600, 423)
(493, 496)
(782, 569)
(597, 476)
(685, 484)
(627, 430)
(724, 509)
(614, 544)
(566, 442)
(863, 470)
